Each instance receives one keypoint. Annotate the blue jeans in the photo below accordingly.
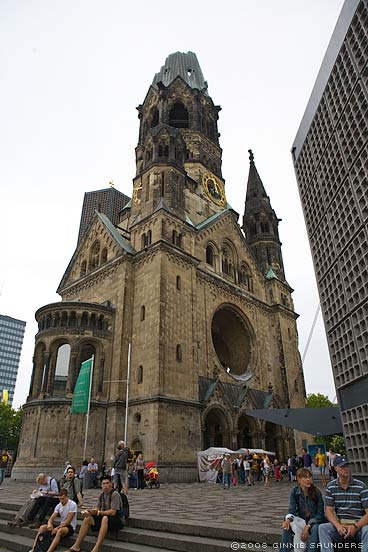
(287, 539)
(227, 480)
(2, 475)
(328, 535)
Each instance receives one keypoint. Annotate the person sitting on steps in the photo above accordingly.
(67, 510)
(106, 516)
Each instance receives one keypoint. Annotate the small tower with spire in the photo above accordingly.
(260, 225)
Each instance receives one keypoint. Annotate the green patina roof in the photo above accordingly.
(184, 65)
(214, 217)
(271, 275)
(123, 242)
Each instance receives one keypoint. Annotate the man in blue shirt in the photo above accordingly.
(346, 510)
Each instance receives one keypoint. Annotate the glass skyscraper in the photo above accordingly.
(11, 341)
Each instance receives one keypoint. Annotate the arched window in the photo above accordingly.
(210, 255)
(61, 369)
(64, 319)
(148, 156)
(178, 116)
(85, 354)
(163, 150)
(72, 319)
(245, 277)
(95, 255)
(146, 239)
(83, 268)
(143, 312)
(179, 354)
(154, 118)
(265, 227)
(176, 238)
(84, 320)
(104, 256)
(178, 283)
(140, 374)
(227, 264)
(253, 229)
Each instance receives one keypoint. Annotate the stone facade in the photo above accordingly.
(210, 321)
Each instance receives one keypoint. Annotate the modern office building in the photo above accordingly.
(108, 201)
(11, 341)
(330, 155)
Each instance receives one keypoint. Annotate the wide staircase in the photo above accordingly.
(146, 534)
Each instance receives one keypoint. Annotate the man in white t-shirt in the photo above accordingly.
(67, 511)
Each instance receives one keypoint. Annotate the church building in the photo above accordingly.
(201, 300)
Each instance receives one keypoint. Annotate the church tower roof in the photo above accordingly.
(260, 225)
(256, 198)
(184, 65)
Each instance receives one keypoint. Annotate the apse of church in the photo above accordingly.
(203, 302)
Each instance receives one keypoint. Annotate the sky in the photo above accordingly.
(72, 74)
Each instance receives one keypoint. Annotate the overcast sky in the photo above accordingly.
(72, 73)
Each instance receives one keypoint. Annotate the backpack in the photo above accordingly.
(43, 542)
(124, 511)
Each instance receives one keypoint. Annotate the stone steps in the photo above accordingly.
(146, 535)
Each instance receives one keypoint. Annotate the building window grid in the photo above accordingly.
(349, 341)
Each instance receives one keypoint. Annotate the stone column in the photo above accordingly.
(71, 379)
(51, 373)
(45, 371)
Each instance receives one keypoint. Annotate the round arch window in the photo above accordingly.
(233, 342)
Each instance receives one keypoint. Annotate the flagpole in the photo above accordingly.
(127, 397)
(89, 402)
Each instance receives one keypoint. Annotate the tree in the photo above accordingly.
(10, 426)
(336, 442)
(317, 400)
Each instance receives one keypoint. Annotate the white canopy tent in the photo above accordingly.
(210, 459)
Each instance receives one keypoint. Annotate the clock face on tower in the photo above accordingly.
(214, 188)
(137, 193)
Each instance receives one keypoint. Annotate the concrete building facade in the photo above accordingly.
(11, 341)
(203, 302)
(330, 154)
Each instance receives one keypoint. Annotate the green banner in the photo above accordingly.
(81, 390)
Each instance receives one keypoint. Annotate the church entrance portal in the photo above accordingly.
(216, 432)
(245, 439)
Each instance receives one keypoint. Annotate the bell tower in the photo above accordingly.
(178, 156)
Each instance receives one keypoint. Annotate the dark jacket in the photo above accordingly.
(304, 507)
(120, 460)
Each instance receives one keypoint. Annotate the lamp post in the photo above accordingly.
(127, 381)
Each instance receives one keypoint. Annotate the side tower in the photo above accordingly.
(260, 225)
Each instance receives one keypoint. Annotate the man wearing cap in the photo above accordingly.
(346, 510)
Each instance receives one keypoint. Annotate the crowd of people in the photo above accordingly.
(310, 523)
(248, 468)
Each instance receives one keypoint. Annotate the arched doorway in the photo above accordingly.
(273, 440)
(216, 432)
(245, 430)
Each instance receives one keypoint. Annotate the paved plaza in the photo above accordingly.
(242, 507)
